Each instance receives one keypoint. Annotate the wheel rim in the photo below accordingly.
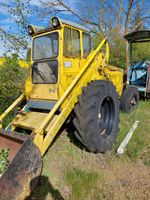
(132, 102)
(106, 116)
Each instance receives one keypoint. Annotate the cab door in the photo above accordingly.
(44, 71)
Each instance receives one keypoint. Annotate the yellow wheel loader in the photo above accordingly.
(67, 78)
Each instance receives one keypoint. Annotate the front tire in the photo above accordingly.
(97, 116)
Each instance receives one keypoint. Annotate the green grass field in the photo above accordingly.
(72, 173)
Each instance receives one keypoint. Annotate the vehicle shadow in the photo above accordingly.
(42, 189)
(70, 129)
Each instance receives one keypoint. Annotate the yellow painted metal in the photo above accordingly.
(28, 87)
(29, 120)
(10, 108)
(69, 85)
(115, 75)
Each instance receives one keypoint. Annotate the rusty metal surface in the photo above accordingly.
(15, 135)
(13, 146)
(16, 182)
(10, 141)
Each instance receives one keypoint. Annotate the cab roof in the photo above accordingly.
(76, 25)
(38, 30)
(138, 36)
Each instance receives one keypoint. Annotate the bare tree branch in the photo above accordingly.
(137, 8)
(120, 7)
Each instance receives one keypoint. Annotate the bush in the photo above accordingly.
(12, 79)
(3, 159)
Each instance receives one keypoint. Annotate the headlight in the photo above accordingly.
(55, 22)
(31, 30)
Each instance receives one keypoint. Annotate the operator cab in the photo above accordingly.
(58, 54)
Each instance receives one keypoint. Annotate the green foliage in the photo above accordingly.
(96, 39)
(117, 48)
(117, 53)
(141, 51)
(3, 159)
(12, 79)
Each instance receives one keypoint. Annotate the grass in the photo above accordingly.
(72, 173)
(140, 140)
(78, 179)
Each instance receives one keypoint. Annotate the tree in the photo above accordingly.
(108, 18)
(16, 38)
(137, 23)
(130, 10)
(12, 79)
(105, 17)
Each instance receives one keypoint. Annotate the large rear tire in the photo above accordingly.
(97, 116)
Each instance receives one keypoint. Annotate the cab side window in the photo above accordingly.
(71, 43)
(86, 44)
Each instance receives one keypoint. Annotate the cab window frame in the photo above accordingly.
(79, 39)
(58, 46)
(90, 42)
(44, 61)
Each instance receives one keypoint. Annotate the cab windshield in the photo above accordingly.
(45, 47)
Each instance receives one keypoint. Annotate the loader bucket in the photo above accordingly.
(25, 165)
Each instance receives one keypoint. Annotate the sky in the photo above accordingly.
(6, 20)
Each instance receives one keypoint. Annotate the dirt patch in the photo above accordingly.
(127, 180)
